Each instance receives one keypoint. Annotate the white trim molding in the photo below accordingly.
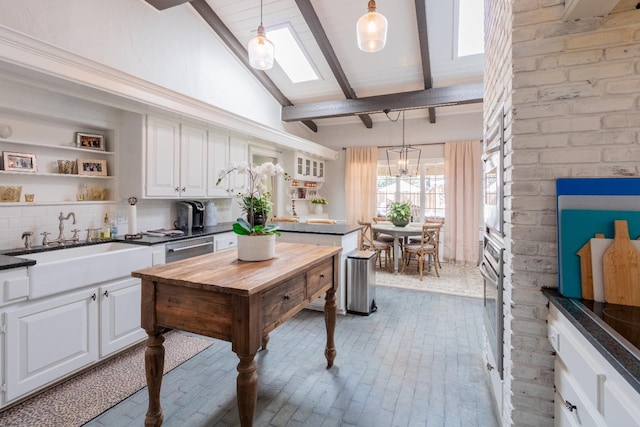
(57, 64)
(580, 9)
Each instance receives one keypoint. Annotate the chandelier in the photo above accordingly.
(401, 158)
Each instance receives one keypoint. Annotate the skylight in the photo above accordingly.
(290, 56)
(470, 27)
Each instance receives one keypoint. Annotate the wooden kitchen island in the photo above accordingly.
(220, 297)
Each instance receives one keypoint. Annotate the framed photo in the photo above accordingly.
(19, 162)
(90, 141)
(92, 167)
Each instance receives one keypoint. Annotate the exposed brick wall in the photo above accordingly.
(575, 103)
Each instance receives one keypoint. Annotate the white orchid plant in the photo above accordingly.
(255, 199)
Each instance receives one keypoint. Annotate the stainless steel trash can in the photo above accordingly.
(361, 281)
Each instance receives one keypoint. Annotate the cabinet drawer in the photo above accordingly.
(571, 403)
(282, 299)
(586, 371)
(319, 277)
(225, 242)
(621, 407)
(14, 285)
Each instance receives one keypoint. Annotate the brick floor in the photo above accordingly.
(417, 361)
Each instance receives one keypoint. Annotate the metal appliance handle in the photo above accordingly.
(486, 273)
(184, 248)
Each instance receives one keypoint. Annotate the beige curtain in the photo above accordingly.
(361, 171)
(462, 177)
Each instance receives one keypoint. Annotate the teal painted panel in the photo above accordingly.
(577, 227)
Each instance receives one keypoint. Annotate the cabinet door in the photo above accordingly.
(239, 153)
(320, 175)
(218, 155)
(193, 161)
(299, 172)
(314, 168)
(162, 177)
(307, 168)
(49, 340)
(120, 315)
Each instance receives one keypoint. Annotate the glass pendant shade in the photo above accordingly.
(261, 51)
(371, 30)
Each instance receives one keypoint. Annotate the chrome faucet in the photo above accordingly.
(61, 240)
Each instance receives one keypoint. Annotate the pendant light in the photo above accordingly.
(400, 157)
(371, 30)
(261, 50)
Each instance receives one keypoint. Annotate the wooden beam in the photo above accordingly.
(423, 38)
(311, 17)
(471, 93)
(216, 24)
(166, 4)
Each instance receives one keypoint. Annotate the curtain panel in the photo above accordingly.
(360, 183)
(463, 178)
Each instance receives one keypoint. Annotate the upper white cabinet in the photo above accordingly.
(224, 149)
(176, 159)
(308, 168)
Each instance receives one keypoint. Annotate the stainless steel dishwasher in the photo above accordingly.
(175, 251)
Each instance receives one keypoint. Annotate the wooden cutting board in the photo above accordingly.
(621, 268)
(598, 246)
(586, 268)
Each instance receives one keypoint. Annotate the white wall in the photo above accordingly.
(171, 48)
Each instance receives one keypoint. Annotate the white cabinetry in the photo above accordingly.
(589, 390)
(224, 241)
(308, 168)
(120, 315)
(48, 340)
(225, 149)
(176, 159)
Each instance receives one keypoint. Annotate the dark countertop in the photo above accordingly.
(8, 262)
(223, 227)
(335, 229)
(618, 346)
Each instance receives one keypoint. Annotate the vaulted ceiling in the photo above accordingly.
(417, 69)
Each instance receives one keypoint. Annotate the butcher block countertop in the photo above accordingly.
(223, 272)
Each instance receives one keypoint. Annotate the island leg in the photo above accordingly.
(247, 389)
(154, 366)
(330, 312)
(265, 341)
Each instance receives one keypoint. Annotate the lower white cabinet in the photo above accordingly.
(48, 340)
(120, 315)
(51, 338)
(224, 241)
(589, 390)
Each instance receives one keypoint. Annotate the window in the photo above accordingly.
(434, 190)
(427, 201)
(290, 56)
(470, 27)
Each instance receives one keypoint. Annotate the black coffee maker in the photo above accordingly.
(190, 215)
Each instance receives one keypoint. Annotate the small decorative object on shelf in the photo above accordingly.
(19, 162)
(318, 203)
(66, 166)
(90, 141)
(29, 198)
(10, 193)
(92, 167)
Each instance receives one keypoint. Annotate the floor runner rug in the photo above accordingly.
(85, 396)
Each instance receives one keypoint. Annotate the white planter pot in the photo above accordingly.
(317, 209)
(256, 248)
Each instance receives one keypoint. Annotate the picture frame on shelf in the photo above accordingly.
(19, 162)
(92, 167)
(90, 141)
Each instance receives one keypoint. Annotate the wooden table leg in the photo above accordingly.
(154, 366)
(265, 341)
(330, 311)
(247, 389)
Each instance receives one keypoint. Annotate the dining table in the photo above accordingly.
(411, 229)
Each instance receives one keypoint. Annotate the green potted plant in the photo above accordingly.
(400, 214)
(317, 203)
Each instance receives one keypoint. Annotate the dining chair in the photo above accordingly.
(382, 237)
(436, 222)
(423, 250)
(321, 221)
(285, 219)
(367, 242)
